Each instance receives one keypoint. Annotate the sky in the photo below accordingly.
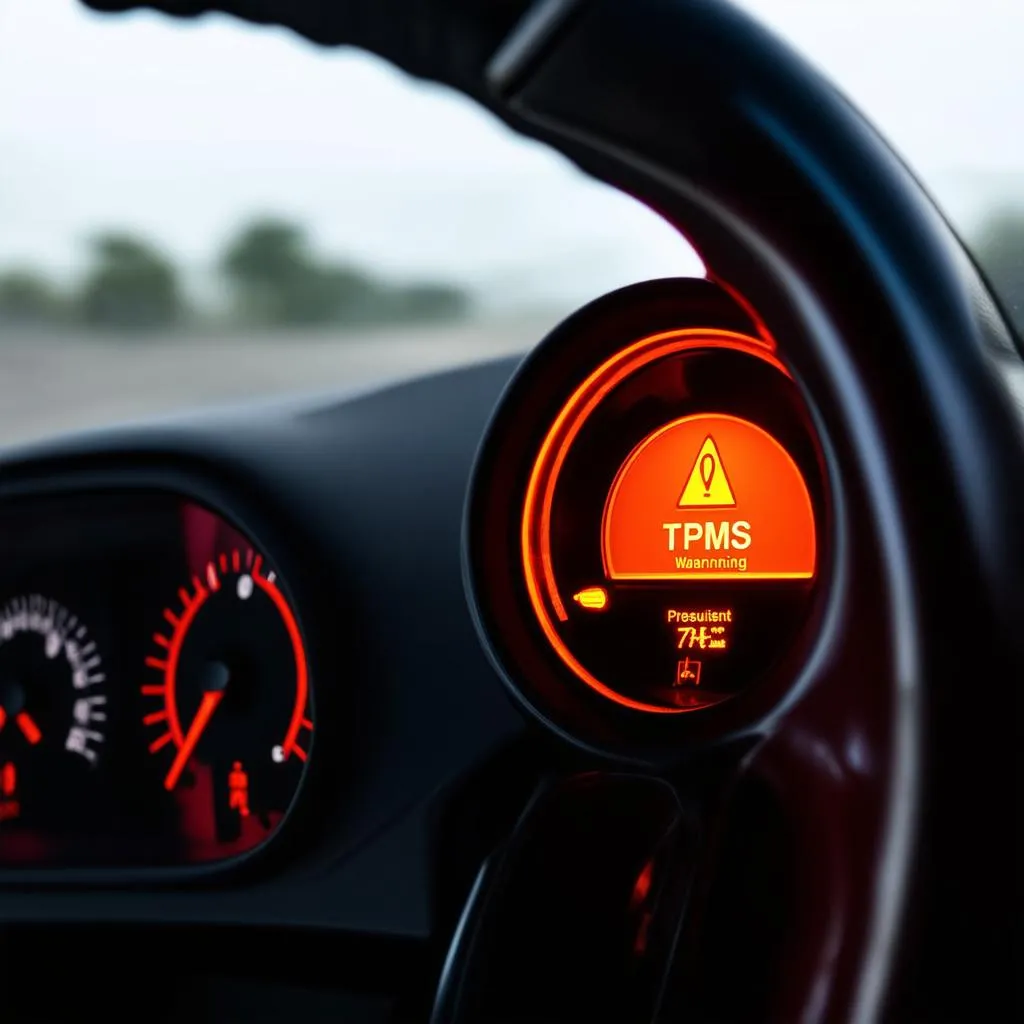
(183, 130)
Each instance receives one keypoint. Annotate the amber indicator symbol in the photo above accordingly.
(707, 486)
(593, 599)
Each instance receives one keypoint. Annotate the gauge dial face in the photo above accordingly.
(670, 529)
(228, 708)
(53, 715)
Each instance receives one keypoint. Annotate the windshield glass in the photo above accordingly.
(201, 212)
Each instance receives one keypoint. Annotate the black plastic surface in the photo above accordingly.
(361, 502)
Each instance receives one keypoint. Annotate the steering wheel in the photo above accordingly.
(895, 763)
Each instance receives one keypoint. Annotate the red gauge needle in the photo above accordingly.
(28, 727)
(25, 723)
(206, 708)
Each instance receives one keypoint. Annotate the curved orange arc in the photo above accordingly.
(535, 531)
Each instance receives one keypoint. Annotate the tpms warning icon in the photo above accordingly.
(708, 485)
(709, 497)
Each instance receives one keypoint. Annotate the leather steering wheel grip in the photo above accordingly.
(449, 41)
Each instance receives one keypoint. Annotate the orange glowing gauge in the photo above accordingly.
(229, 715)
(671, 520)
(709, 497)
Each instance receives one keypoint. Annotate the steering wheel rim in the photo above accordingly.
(816, 181)
(796, 203)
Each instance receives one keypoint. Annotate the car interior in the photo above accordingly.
(629, 680)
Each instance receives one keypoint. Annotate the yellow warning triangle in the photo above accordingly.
(708, 485)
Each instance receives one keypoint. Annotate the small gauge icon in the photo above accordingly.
(228, 705)
(52, 710)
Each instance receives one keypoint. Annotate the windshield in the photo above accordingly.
(201, 212)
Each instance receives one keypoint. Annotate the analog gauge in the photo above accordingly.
(52, 717)
(228, 705)
(669, 537)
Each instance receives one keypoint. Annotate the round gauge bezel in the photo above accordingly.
(690, 315)
(167, 652)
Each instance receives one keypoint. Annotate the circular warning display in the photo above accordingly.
(671, 522)
(709, 497)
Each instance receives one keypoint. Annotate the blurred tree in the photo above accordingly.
(334, 294)
(431, 301)
(271, 271)
(265, 254)
(29, 299)
(131, 284)
(277, 279)
(999, 247)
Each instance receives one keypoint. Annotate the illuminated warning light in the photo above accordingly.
(238, 789)
(708, 497)
(594, 599)
(707, 486)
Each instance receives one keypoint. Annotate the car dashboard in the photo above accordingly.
(119, 547)
(252, 663)
(616, 682)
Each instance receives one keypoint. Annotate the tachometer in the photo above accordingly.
(229, 704)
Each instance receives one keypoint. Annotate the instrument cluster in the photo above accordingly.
(647, 536)
(155, 699)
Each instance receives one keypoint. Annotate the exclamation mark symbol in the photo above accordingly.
(708, 485)
(707, 472)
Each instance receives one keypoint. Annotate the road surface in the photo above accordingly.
(53, 384)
